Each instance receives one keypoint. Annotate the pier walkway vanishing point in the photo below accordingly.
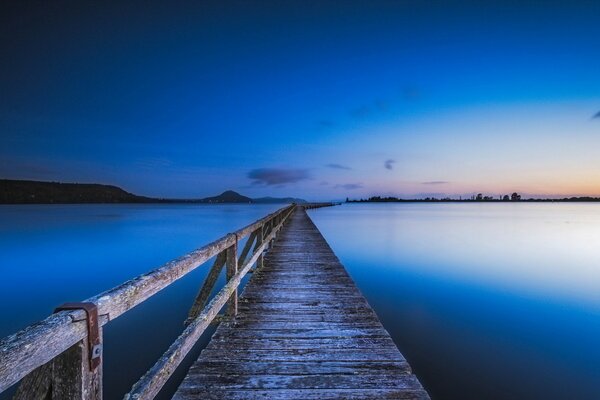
(300, 330)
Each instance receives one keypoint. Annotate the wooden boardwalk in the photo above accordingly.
(303, 331)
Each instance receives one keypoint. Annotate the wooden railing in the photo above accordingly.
(310, 206)
(53, 358)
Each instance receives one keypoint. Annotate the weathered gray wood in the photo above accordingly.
(207, 287)
(72, 377)
(260, 234)
(247, 246)
(232, 269)
(36, 385)
(304, 394)
(151, 383)
(24, 351)
(67, 376)
(303, 331)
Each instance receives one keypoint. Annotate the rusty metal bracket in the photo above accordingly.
(94, 342)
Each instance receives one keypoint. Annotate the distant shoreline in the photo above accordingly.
(563, 200)
(38, 192)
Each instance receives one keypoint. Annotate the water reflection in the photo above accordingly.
(487, 301)
(53, 254)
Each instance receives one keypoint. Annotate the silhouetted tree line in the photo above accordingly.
(475, 198)
(32, 192)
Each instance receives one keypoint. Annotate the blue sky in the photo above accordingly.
(320, 100)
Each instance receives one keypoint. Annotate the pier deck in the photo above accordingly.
(303, 331)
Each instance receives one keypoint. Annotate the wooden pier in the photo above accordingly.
(303, 331)
(300, 330)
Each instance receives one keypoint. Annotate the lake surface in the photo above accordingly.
(486, 301)
(50, 254)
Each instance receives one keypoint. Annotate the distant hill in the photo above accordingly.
(278, 200)
(234, 197)
(228, 196)
(35, 192)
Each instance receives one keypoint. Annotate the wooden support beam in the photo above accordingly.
(259, 241)
(207, 287)
(232, 269)
(36, 385)
(247, 248)
(67, 376)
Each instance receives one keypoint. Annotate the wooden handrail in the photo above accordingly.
(151, 383)
(34, 346)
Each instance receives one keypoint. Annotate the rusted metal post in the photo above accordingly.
(232, 269)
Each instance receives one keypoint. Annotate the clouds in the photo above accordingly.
(389, 164)
(597, 115)
(435, 183)
(325, 123)
(277, 176)
(337, 166)
(349, 186)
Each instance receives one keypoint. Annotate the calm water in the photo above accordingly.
(57, 253)
(487, 301)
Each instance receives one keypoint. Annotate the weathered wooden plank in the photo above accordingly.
(304, 394)
(341, 343)
(297, 355)
(299, 368)
(310, 381)
(303, 331)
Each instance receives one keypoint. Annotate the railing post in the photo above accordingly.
(68, 376)
(232, 269)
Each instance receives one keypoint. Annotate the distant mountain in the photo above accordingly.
(234, 197)
(278, 200)
(228, 196)
(34, 192)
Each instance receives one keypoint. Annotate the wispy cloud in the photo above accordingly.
(365, 110)
(349, 186)
(277, 176)
(410, 92)
(360, 112)
(24, 169)
(325, 123)
(434, 183)
(389, 164)
(153, 163)
(597, 115)
(337, 166)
